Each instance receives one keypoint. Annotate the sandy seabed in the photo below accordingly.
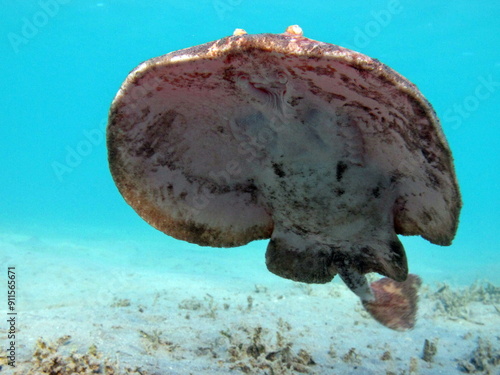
(130, 308)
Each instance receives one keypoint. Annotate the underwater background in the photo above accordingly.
(65, 227)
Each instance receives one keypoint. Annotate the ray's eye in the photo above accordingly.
(242, 77)
(281, 77)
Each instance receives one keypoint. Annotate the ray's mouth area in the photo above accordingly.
(274, 85)
(269, 89)
(271, 93)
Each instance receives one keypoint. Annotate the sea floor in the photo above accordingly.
(110, 307)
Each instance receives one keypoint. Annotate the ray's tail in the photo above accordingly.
(395, 304)
(391, 303)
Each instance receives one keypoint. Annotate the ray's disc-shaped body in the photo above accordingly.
(324, 150)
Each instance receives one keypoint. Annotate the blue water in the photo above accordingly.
(63, 62)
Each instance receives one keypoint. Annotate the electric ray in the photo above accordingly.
(327, 152)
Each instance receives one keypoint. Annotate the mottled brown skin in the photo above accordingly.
(350, 155)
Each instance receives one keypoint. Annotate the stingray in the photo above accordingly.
(327, 152)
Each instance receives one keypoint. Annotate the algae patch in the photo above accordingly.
(256, 349)
(55, 359)
(482, 359)
(457, 303)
